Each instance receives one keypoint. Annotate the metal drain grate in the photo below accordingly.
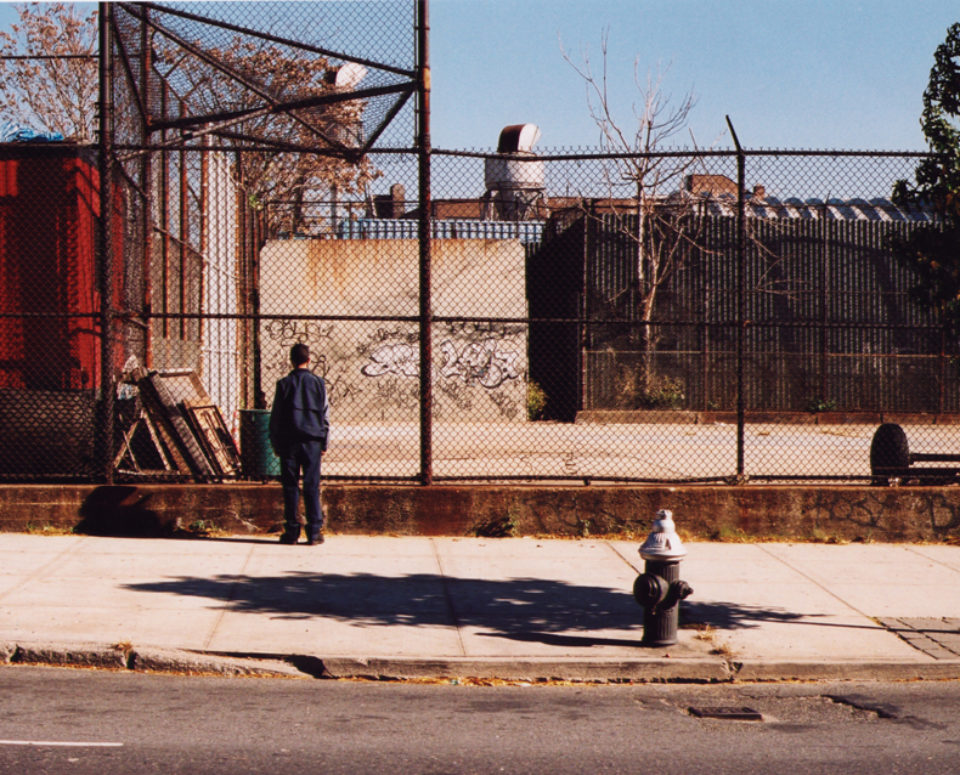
(938, 637)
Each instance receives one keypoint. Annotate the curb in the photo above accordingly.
(851, 670)
(65, 654)
(152, 660)
(125, 657)
(697, 670)
(575, 670)
(538, 670)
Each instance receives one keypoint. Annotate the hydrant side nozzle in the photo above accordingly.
(679, 590)
(649, 590)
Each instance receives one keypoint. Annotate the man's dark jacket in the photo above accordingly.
(300, 411)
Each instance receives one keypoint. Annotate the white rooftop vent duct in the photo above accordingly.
(515, 182)
(348, 75)
(347, 128)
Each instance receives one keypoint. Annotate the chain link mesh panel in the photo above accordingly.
(242, 127)
(592, 316)
(656, 312)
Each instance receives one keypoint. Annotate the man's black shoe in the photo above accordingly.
(317, 539)
(288, 539)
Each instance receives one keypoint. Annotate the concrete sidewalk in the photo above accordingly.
(510, 608)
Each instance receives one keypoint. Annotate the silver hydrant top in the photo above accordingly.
(663, 543)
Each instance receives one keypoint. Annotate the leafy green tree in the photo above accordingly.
(932, 252)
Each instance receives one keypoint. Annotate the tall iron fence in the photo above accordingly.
(269, 183)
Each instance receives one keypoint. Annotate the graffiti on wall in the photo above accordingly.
(471, 355)
(489, 355)
(484, 363)
(400, 359)
(376, 372)
(281, 335)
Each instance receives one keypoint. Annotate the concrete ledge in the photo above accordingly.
(703, 512)
(675, 417)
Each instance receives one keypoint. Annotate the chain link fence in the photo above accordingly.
(666, 317)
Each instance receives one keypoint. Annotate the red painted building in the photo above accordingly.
(50, 309)
(49, 280)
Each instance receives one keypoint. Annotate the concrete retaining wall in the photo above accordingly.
(846, 513)
(372, 367)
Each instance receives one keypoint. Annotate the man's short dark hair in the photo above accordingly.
(299, 354)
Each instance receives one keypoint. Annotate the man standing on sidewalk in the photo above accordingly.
(299, 425)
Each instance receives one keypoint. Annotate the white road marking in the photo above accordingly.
(60, 744)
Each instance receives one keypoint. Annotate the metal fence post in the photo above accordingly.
(106, 425)
(146, 181)
(741, 321)
(424, 236)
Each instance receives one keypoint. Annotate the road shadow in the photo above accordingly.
(523, 609)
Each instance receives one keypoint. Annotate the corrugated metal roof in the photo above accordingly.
(815, 209)
(387, 228)
(769, 208)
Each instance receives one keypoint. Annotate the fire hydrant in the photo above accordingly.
(659, 588)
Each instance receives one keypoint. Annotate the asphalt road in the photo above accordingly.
(93, 722)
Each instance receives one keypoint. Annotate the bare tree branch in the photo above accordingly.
(250, 75)
(661, 225)
(55, 93)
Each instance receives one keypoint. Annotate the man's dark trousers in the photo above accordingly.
(299, 426)
(301, 456)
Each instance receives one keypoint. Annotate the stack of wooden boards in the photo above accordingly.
(175, 430)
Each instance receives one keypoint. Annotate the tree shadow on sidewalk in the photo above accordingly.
(524, 609)
(735, 616)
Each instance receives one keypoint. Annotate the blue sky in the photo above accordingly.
(824, 74)
(819, 74)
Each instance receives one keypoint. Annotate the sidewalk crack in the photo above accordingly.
(616, 551)
(934, 560)
(814, 581)
(228, 600)
(451, 609)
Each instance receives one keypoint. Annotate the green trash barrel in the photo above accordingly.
(256, 454)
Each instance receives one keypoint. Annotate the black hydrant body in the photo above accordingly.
(659, 588)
